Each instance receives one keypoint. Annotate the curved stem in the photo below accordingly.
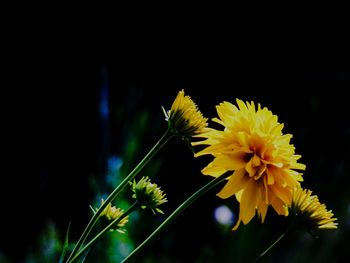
(272, 245)
(162, 141)
(177, 211)
(100, 234)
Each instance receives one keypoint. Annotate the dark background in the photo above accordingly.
(55, 140)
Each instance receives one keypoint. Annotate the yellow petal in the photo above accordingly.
(218, 121)
(248, 202)
(213, 170)
(238, 195)
(218, 148)
(296, 175)
(250, 168)
(261, 204)
(236, 182)
(230, 162)
(262, 168)
(278, 205)
(262, 209)
(278, 177)
(298, 166)
(266, 190)
(270, 177)
(224, 163)
(290, 181)
(226, 112)
(242, 138)
(237, 224)
(283, 193)
(241, 105)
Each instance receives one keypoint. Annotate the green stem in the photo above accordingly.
(273, 244)
(88, 254)
(162, 141)
(178, 210)
(100, 234)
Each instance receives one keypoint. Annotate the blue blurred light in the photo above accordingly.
(223, 215)
(114, 164)
(113, 167)
(104, 109)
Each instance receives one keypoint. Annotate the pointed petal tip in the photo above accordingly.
(237, 225)
(223, 194)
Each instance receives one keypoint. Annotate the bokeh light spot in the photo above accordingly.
(223, 215)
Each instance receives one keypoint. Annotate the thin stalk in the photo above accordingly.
(176, 212)
(100, 234)
(88, 254)
(162, 141)
(272, 245)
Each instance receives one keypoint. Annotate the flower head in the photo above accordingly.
(112, 213)
(148, 194)
(260, 157)
(309, 212)
(184, 118)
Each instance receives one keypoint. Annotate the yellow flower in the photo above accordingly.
(310, 212)
(184, 118)
(262, 160)
(112, 213)
(148, 194)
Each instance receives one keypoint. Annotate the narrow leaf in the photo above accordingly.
(65, 244)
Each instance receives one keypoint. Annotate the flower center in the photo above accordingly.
(255, 166)
(258, 155)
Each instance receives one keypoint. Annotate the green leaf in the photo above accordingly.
(65, 244)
